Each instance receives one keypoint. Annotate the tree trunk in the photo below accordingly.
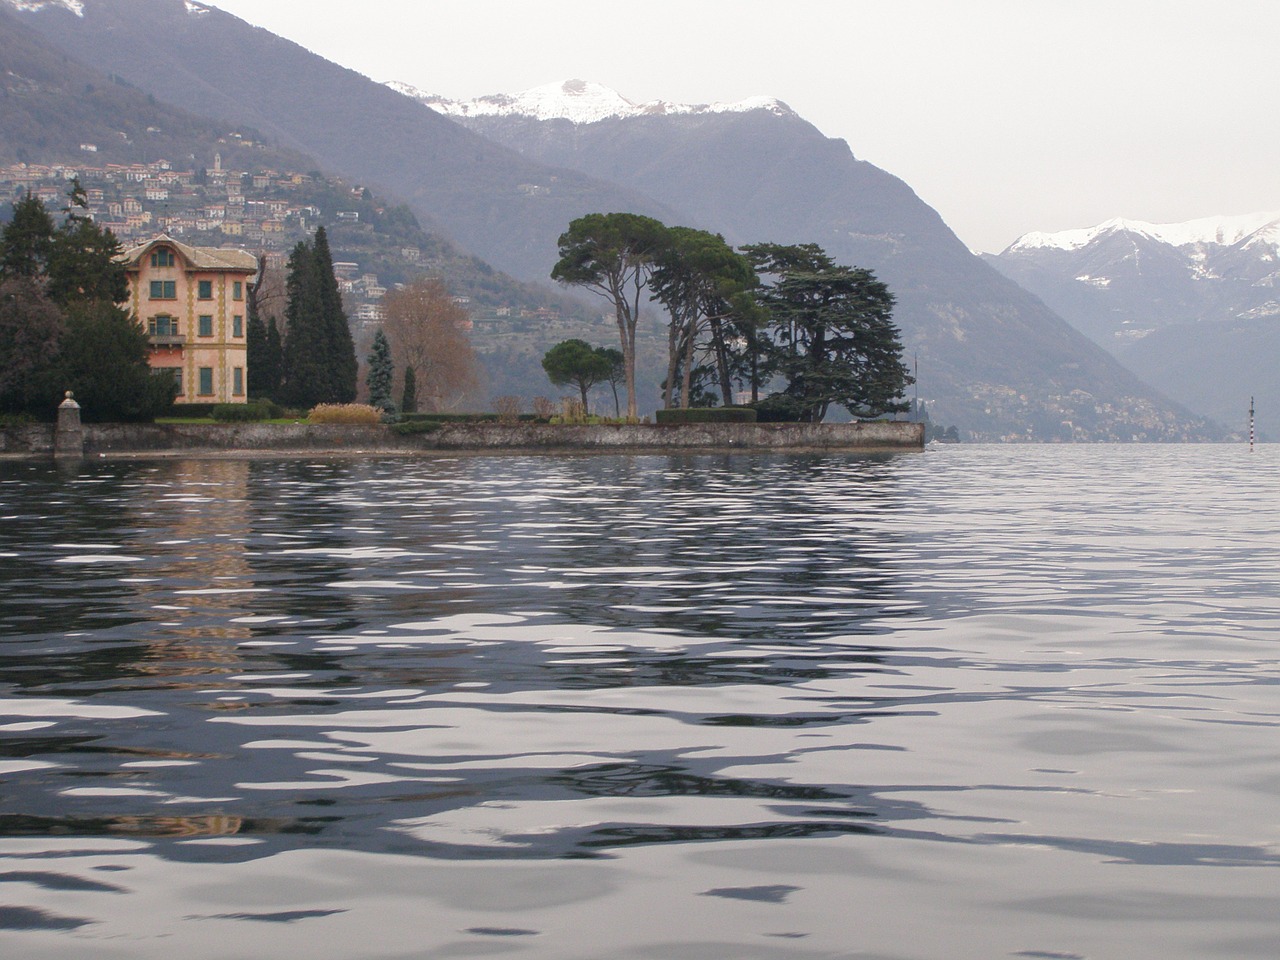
(722, 360)
(673, 361)
(687, 385)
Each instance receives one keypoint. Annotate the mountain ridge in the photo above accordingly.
(1192, 307)
(1216, 231)
(579, 101)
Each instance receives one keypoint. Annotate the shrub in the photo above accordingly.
(409, 427)
(360, 413)
(453, 417)
(544, 408)
(273, 410)
(778, 408)
(572, 410)
(508, 408)
(240, 412)
(193, 411)
(706, 415)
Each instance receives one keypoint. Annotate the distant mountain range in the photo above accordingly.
(504, 180)
(1193, 308)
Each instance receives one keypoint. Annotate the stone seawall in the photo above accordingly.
(259, 439)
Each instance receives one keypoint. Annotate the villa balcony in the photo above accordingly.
(167, 340)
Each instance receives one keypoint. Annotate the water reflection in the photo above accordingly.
(604, 660)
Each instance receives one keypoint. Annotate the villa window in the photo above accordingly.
(237, 290)
(162, 257)
(164, 290)
(206, 381)
(237, 381)
(162, 326)
(205, 325)
(205, 291)
(237, 326)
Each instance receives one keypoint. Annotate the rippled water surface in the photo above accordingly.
(978, 702)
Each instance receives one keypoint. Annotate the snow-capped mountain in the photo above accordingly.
(579, 101)
(1190, 306)
(1207, 231)
(77, 6)
(29, 6)
(1122, 279)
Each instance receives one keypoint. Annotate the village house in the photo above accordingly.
(192, 302)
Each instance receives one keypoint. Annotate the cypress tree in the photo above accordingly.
(255, 354)
(303, 372)
(262, 351)
(340, 349)
(378, 379)
(409, 401)
(274, 359)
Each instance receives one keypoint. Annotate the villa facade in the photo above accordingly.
(193, 303)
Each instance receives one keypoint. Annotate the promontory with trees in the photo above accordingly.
(741, 321)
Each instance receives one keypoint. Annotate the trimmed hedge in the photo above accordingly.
(193, 411)
(706, 415)
(408, 428)
(778, 408)
(247, 412)
(468, 418)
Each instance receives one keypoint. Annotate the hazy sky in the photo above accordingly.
(1005, 115)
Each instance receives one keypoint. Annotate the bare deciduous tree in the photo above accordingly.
(426, 327)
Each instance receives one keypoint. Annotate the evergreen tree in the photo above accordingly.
(575, 363)
(27, 240)
(613, 255)
(378, 379)
(262, 354)
(409, 400)
(255, 348)
(302, 368)
(319, 357)
(341, 349)
(82, 259)
(31, 331)
(104, 361)
(274, 374)
(833, 337)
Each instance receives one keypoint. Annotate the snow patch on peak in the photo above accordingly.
(578, 101)
(1213, 231)
(196, 9)
(27, 6)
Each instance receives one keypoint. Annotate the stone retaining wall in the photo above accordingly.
(248, 439)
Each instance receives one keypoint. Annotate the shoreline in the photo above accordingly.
(249, 441)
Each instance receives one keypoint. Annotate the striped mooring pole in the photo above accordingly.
(1251, 424)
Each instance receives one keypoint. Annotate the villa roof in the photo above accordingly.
(200, 258)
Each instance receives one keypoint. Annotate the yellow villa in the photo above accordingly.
(193, 301)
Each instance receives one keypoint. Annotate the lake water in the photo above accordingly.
(976, 702)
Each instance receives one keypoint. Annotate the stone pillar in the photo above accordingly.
(68, 438)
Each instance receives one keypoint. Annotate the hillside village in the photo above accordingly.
(266, 211)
